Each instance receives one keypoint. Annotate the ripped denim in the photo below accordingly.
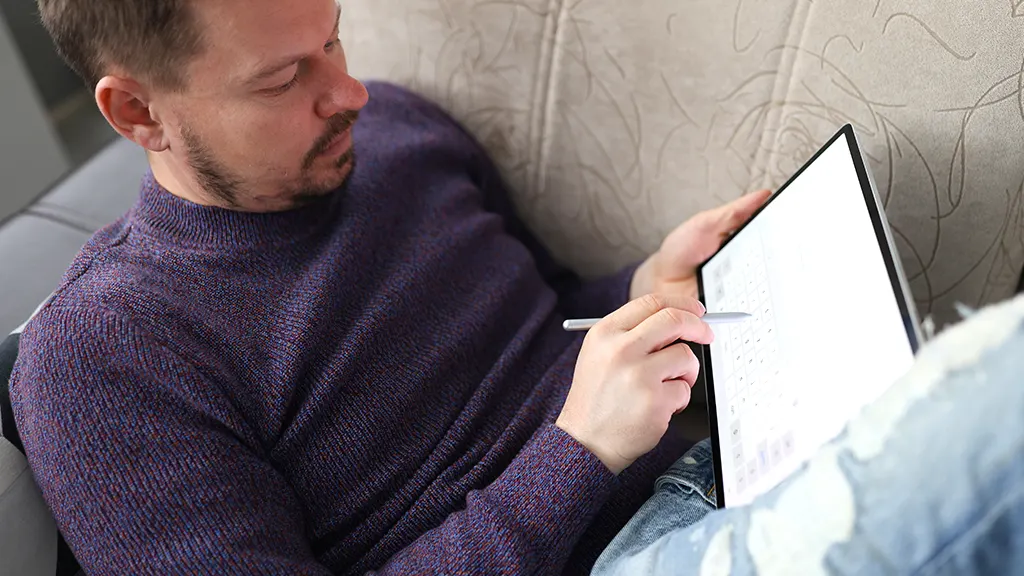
(927, 480)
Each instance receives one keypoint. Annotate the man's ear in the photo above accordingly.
(126, 105)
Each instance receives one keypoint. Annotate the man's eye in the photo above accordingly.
(332, 44)
(284, 87)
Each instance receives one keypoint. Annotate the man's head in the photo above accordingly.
(245, 104)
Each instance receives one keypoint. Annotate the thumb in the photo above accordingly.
(737, 212)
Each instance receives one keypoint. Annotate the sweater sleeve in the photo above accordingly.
(526, 522)
(149, 470)
(146, 468)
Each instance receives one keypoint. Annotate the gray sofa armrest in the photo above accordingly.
(38, 244)
(28, 534)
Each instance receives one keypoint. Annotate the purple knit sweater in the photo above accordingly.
(368, 383)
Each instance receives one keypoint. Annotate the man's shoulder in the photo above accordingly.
(88, 330)
(392, 108)
(106, 281)
(389, 99)
(404, 135)
(99, 268)
(82, 309)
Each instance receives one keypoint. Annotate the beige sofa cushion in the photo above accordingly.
(613, 121)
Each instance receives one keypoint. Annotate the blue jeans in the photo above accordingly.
(929, 479)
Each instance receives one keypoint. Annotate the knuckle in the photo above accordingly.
(685, 362)
(685, 395)
(599, 332)
(693, 325)
(634, 375)
(686, 357)
(692, 359)
(594, 336)
(696, 329)
(652, 302)
(618, 356)
(673, 315)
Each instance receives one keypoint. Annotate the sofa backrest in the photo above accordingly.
(614, 121)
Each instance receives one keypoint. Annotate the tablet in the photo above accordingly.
(833, 324)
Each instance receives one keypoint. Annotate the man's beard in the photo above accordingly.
(221, 183)
(213, 178)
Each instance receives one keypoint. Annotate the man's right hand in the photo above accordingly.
(631, 378)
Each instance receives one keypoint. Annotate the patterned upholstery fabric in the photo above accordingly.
(613, 121)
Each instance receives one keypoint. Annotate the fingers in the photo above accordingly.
(680, 368)
(667, 326)
(728, 217)
(681, 392)
(675, 363)
(637, 311)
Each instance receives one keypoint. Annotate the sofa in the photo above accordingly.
(614, 121)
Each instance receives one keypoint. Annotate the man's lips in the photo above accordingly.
(340, 127)
(339, 144)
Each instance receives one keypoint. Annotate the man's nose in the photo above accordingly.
(341, 92)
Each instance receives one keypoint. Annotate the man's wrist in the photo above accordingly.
(612, 462)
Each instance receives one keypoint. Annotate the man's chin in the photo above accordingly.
(335, 177)
(339, 172)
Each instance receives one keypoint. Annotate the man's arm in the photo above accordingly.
(148, 470)
(672, 269)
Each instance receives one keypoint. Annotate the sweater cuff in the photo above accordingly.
(602, 296)
(560, 486)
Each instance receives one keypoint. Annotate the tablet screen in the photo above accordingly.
(828, 334)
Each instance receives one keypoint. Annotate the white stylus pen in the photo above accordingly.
(711, 318)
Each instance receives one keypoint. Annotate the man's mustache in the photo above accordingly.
(336, 125)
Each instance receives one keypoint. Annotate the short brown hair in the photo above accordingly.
(152, 39)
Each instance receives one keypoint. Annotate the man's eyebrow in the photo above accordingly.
(283, 63)
(337, 19)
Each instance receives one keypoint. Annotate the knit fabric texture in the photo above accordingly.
(367, 383)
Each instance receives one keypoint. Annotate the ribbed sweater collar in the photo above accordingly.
(186, 223)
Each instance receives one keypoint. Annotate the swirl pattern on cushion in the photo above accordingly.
(614, 121)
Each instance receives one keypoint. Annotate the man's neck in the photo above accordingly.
(178, 180)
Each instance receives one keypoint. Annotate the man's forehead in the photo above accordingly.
(243, 37)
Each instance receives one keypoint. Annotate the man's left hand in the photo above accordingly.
(673, 268)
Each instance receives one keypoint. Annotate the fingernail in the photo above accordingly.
(703, 309)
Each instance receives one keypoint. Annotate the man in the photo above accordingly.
(322, 345)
